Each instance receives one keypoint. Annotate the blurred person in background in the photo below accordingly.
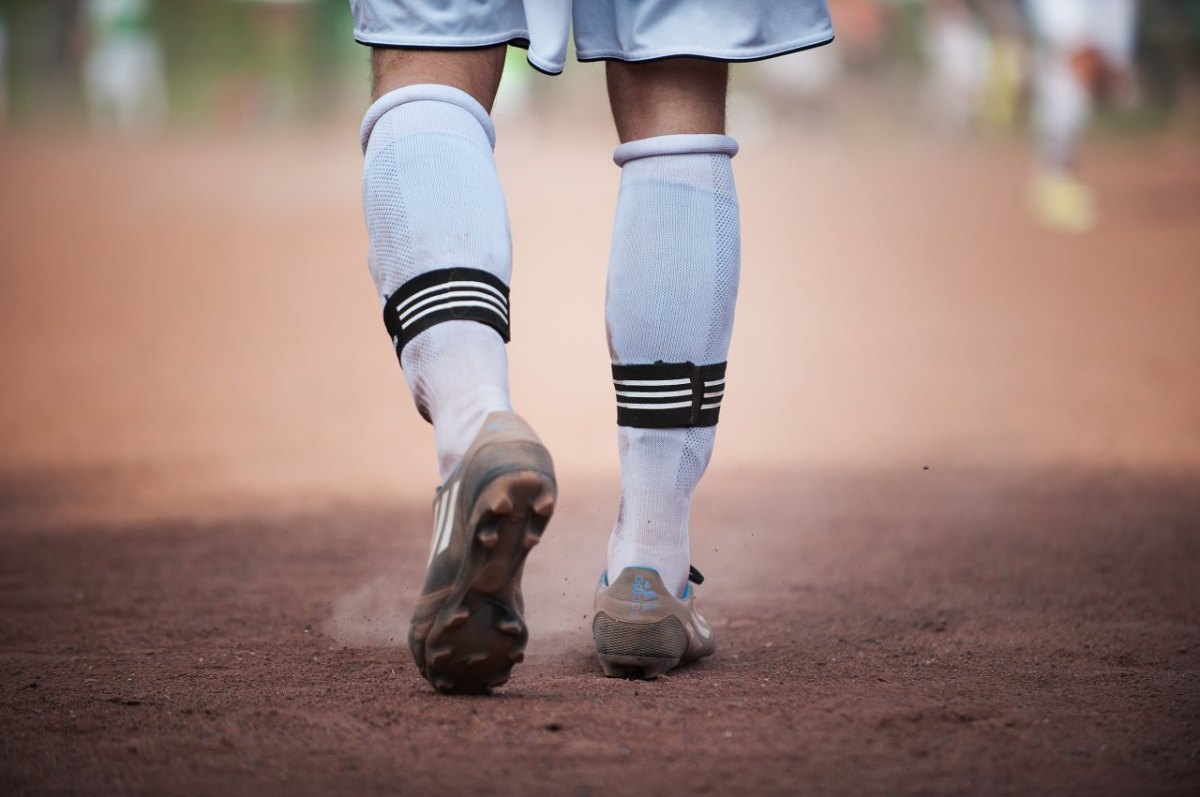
(1007, 55)
(123, 72)
(440, 253)
(955, 44)
(975, 56)
(1083, 51)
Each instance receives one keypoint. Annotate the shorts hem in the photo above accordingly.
(519, 38)
(521, 41)
(544, 68)
(741, 57)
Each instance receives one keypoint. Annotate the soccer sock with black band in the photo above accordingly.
(440, 254)
(672, 285)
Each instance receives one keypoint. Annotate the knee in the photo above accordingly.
(678, 95)
(474, 71)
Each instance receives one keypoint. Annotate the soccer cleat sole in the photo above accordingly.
(479, 632)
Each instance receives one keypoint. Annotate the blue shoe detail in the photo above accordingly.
(687, 586)
(644, 597)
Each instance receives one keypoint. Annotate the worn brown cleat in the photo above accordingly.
(468, 626)
(642, 630)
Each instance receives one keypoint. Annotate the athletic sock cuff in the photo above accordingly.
(669, 395)
(682, 144)
(425, 91)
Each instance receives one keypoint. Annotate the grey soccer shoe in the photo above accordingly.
(468, 628)
(640, 628)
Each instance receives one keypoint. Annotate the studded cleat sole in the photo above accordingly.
(468, 628)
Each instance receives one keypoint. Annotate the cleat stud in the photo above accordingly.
(611, 670)
(501, 505)
(487, 538)
(509, 626)
(443, 684)
(458, 618)
(652, 671)
(517, 656)
(499, 680)
(436, 657)
(473, 659)
(543, 505)
(531, 539)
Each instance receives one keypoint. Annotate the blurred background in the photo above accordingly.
(131, 66)
(938, 269)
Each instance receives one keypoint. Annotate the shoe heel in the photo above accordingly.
(626, 648)
(648, 667)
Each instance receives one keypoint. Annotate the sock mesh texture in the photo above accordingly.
(433, 200)
(672, 286)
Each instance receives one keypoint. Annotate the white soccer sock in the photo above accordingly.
(433, 201)
(672, 285)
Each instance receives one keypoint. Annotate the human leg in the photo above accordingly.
(441, 257)
(475, 71)
(433, 203)
(1062, 103)
(672, 284)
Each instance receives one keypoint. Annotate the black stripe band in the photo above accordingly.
(448, 294)
(668, 395)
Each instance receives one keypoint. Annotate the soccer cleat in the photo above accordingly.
(640, 628)
(1063, 203)
(468, 628)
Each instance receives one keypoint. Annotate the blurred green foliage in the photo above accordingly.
(224, 61)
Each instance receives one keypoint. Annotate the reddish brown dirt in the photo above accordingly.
(213, 496)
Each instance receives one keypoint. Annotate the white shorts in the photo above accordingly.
(626, 30)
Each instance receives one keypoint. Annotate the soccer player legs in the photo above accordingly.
(440, 254)
(1084, 51)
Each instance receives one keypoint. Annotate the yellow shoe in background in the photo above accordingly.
(1064, 204)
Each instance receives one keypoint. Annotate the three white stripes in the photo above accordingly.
(443, 520)
(471, 293)
(709, 392)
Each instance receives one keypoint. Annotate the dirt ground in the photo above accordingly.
(951, 532)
